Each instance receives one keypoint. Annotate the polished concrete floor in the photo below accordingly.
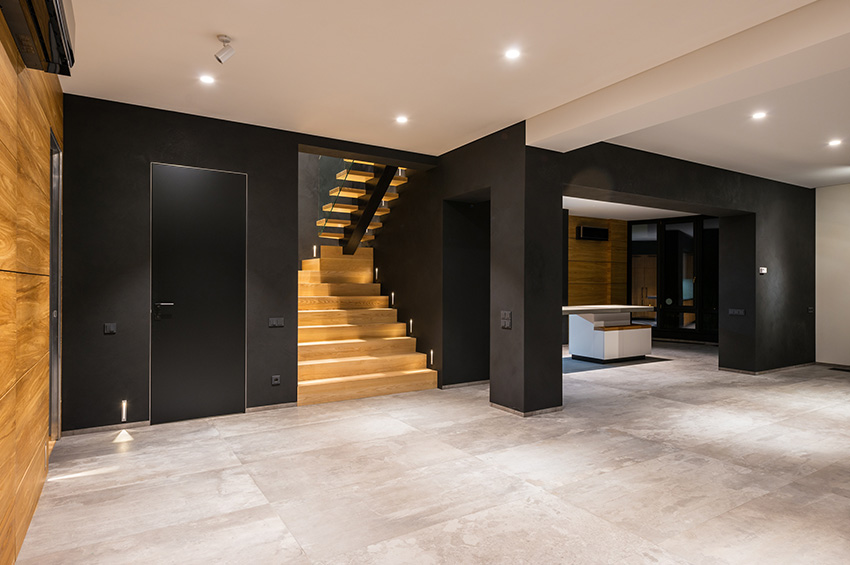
(669, 461)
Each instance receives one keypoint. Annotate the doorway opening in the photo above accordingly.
(55, 387)
(466, 290)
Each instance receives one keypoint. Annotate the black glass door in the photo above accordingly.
(674, 267)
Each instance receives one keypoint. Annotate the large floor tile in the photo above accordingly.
(535, 529)
(67, 522)
(786, 527)
(664, 496)
(256, 535)
(335, 521)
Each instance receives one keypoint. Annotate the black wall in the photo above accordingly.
(525, 264)
(109, 148)
(763, 223)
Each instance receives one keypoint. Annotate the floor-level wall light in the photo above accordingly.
(411, 326)
(392, 299)
(123, 410)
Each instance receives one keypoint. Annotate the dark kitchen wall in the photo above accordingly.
(762, 223)
(109, 148)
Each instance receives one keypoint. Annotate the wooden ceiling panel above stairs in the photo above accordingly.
(350, 344)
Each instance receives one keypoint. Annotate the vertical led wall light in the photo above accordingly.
(392, 299)
(432, 357)
(411, 326)
(376, 274)
(314, 251)
(123, 410)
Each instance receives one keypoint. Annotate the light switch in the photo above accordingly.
(110, 328)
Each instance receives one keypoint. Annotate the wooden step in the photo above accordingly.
(341, 302)
(348, 366)
(340, 348)
(345, 192)
(338, 264)
(339, 289)
(339, 235)
(334, 251)
(337, 317)
(336, 276)
(335, 223)
(350, 331)
(363, 386)
(364, 176)
(349, 208)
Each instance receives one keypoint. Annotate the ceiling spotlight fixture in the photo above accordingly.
(759, 115)
(512, 53)
(401, 119)
(834, 142)
(207, 79)
(226, 51)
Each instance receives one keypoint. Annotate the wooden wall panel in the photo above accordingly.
(597, 269)
(8, 204)
(29, 489)
(7, 469)
(8, 332)
(31, 413)
(30, 106)
(32, 321)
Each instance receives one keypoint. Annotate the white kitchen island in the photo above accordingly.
(605, 333)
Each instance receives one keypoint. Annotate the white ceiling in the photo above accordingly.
(615, 211)
(589, 71)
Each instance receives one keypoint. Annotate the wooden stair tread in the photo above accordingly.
(333, 389)
(336, 235)
(335, 223)
(347, 348)
(357, 340)
(363, 176)
(339, 360)
(346, 192)
(349, 208)
(368, 376)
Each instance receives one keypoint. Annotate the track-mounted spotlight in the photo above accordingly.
(226, 51)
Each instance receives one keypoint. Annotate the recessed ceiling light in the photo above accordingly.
(759, 115)
(512, 53)
(401, 119)
(207, 79)
(834, 142)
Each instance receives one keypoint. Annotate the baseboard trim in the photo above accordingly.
(527, 414)
(111, 428)
(460, 385)
(270, 407)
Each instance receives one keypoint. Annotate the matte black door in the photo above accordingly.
(197, 293)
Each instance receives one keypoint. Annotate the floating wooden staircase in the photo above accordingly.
(350, 198)
(350, 344)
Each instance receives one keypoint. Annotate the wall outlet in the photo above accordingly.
(506, 320)
(275, 380)
(110, 328)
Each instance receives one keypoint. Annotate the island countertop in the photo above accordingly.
(606, 309)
